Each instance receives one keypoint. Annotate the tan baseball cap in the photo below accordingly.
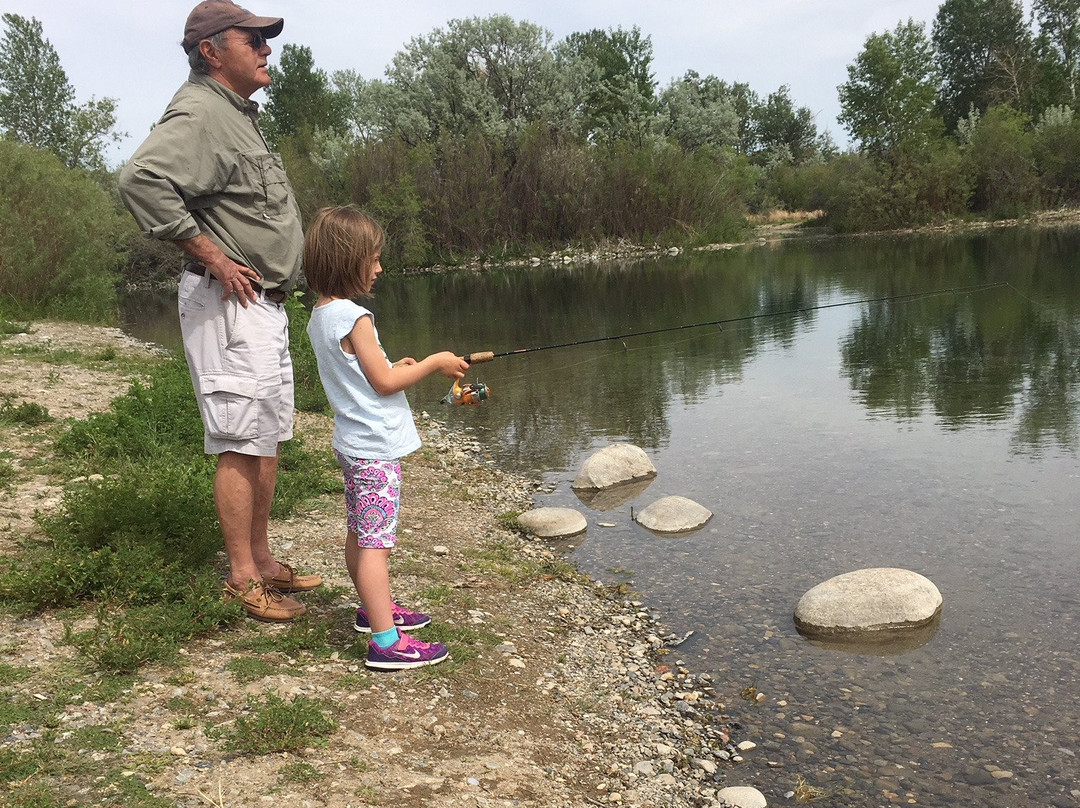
(214, 16)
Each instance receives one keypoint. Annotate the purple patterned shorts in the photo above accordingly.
(372, 499)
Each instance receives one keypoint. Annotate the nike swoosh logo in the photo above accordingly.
(409, 654)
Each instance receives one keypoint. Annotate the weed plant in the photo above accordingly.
(28, 413)
(275, 725)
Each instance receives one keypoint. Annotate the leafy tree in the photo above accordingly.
(889, 97)
(300, 98)
(37, 101)
(985, 55)
(621, 103)
(784, 134)
(697, 112)
(489, 74)
(1059, 36)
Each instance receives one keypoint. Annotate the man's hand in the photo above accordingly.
(235, 278)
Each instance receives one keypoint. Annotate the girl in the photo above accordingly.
(373, 425)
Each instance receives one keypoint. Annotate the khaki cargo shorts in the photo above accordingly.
(240, 367)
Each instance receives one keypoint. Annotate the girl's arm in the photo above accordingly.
(387, 380)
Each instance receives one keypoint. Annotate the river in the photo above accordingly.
(937, 433)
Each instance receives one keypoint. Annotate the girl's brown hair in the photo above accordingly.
(340, 249)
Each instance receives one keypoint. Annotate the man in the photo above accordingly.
(205, 180)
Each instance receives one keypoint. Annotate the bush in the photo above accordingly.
(1002, 159)
(61, 238)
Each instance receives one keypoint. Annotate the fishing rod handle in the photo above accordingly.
(477, 358)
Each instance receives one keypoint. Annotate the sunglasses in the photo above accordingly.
(257, 41)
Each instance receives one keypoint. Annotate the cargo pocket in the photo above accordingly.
(230, 405)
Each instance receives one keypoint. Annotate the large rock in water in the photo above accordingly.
(864, 602)
(674, 515)
(614, 464)
(552, 523)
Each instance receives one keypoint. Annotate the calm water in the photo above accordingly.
(938, 434)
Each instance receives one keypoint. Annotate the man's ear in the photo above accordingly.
(210, 54)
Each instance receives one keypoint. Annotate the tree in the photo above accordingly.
(1059, 35)
(889, 97)
(985, 55)
(300, 98)
(784, 134)
(621, 103)
(697, 112)
(37, 101)
(490, 75)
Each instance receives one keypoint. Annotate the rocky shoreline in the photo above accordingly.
(566, 693)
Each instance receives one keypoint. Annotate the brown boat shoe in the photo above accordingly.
(287, 580)
(264, 602)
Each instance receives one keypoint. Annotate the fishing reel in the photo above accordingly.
(471, 394)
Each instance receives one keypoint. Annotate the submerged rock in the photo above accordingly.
(608, 499)
(741, 797)
(614, 464)
(880, 599)
(674, 515)
(552, 523)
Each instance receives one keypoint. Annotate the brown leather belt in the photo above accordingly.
(274, 295)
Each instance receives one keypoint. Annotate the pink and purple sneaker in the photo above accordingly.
(405, 653)
(404, 620)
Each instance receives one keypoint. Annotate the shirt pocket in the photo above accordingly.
(231, 405)
(264, 173)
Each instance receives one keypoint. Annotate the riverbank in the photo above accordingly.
(561, 692)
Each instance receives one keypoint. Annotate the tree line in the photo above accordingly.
(487, 138)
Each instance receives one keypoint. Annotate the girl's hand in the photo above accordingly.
(450, 365)
(408, 360)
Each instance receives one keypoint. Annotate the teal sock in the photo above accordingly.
(384, 639)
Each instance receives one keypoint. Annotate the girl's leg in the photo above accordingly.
(372, 581)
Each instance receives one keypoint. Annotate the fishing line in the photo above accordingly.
(487, 356)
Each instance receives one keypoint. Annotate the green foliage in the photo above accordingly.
(141, 539)
(60, 239)
(985, 53)
(619, 102)
(36, 100)
(300, 98)
(272, 724)
(1002, 157)
(889, 98)
(157, 418)
(1056, 150)
(911, 189)
(123, 640)
(29, 413)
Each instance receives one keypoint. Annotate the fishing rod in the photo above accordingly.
(487, 356)
(477, 392)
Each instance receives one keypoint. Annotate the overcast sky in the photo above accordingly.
(129, 49)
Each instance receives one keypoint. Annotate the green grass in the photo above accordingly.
(10, 674)
(299, 772)
(249, 669)
(141, 542)
(272, 724)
